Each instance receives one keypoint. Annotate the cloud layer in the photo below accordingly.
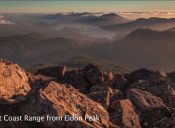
(147, 14)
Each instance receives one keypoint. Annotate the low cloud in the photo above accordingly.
(148, 14)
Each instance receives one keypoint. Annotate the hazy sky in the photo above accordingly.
(92, 6)
(89, 6)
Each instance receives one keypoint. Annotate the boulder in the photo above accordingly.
(62, 100)
(116, 95)
(93, 74)
(76, 79)
(145, 74)
(107, 84)
(163, 88)
(104, 95)
(108, 76)
(55, 71)
(122, 114)
(119, 82)
(37, 81)
(172, 76)
(165, 123)
(13, 83)
(151, 109)
(98, 88)
(144, 100)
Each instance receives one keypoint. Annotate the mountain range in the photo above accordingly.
(34, 48)
(56, 38)
(146, 48)
(152, 23)
(86, 18)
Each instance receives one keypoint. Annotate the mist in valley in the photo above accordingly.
(30, 39)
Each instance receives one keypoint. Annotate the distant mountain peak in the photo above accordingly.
(145, 32)
(109, 15)
(155, 19)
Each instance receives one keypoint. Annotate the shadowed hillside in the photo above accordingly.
(146, 48)
(80, 62)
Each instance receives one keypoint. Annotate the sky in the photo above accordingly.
(163, 8)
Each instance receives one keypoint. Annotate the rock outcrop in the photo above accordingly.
(119, 81)
(144, 100)
(76, 79)
(93, 74)
(13, 83)
(108, 76)
(145, 74)
(151, 109)
(104, 95)
(163, 88)
(61, 100)
(38, 81)
(89, 97)
(171, 75)
(122, 114)
(55, 71)
(166, 123)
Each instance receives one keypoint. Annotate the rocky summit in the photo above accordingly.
(14, 84)
(57, 97)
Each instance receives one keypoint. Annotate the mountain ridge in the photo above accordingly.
(145, 47)
(142, 22)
